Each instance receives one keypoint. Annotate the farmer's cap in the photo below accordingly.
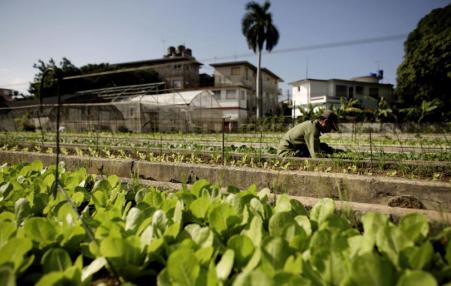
(331, 117)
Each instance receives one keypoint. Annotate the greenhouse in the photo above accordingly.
(188, 111)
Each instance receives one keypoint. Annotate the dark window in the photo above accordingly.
(359, 90)
(351, 92)
(374, 92)
(340, 91)
(236, 71)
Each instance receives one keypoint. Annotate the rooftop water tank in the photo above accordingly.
(188, 53)
(180, 50)
(171, 51)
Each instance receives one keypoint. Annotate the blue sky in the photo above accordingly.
(113, 31)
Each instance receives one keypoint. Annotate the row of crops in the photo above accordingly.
(375, 165)
(401, 143)
(407, 139)
(93, 229)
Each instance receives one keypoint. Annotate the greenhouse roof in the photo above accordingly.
(201, 98)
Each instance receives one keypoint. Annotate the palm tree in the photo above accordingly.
(349, 107)
(383, 112)
(258, 29)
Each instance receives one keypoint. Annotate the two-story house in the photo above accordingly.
(235, 89)
(327, 93)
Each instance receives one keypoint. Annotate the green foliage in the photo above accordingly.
(423, 78)
(201, 236)
(24, 123)
(309, 112)
(384, 112)
(258, 28)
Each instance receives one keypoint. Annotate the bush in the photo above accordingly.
(123, 129)
(24, 123)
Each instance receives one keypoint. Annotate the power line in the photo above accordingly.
(317, 46)
(246, 55)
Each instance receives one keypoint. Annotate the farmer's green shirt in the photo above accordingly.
(300, 136)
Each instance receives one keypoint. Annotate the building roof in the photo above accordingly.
(159, 61)
(249, 65)
(299, 82)
(272, 74)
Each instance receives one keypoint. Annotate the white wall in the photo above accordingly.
(233, 114)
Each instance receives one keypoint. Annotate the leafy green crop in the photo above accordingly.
(200, 236)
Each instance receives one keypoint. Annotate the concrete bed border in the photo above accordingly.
(343, 187)
(360, 208)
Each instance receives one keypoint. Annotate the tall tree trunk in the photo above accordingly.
(258, 85)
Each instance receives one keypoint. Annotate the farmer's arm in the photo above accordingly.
(312, 141)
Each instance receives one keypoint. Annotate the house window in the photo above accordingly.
(236, 71)
(247, 73)
(177, 83)
(340, 91)
(359, 90)
(242, 95)
(299, 88)
(374, 92)
(350, 92)
(217, 94)
(231, 94)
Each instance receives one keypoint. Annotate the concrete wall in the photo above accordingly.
(392, 127)
(364, 189)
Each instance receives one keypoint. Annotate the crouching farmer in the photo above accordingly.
(303, 139)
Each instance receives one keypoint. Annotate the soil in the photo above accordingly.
(406, 202)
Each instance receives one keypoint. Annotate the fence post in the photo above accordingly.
(260, 145)
(371, 149)
(223, 138)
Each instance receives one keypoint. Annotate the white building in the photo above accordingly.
(327, 93)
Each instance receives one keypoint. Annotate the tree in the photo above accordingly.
(49, 84)
(258, 29)
(66, 69)
(425, 73)
(422, 112)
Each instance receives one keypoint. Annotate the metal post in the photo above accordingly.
(55, 189)
(371, 150)
(161, 144)
(223, 137)
(40, 105)
(260, 145)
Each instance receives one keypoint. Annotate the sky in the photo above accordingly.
(116, 31)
